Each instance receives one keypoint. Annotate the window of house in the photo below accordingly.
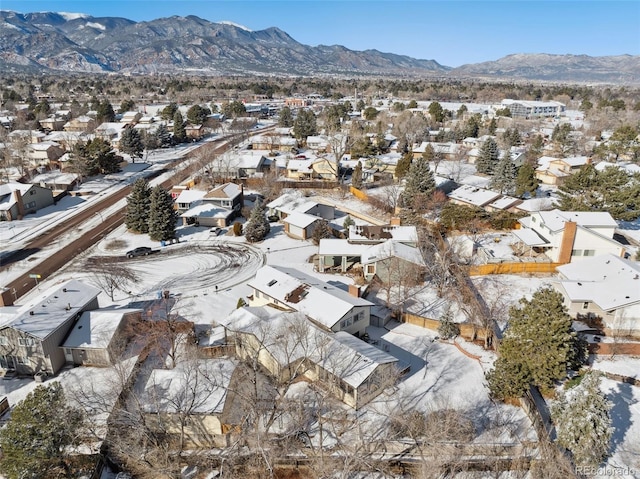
(371, 268)
(32, 192)
(4, 341)
(358, 317)
(589, 252)
(26, 342)
(576, 252)
(31, 204)
(585, 305)
(345, 323)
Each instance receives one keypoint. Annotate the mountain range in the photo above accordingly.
(47, 41)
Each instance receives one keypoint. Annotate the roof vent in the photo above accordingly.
(64, 290)
(31, 313)
(68, 306)
(579, 284)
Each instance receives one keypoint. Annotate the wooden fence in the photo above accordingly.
(512, 268)
(468, 331)
(361, 195)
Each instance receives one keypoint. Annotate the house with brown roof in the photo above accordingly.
(218, 207)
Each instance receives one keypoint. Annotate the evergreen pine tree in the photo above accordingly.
(538, 346)
(285, 118)
(493, 126)
(257, 228)
(583, 421)
(504, 176)
(356, 177)
(163, 135)
(322, 230)
(162, 216)
(403, 165)
(348, 221)
(526, 181)
(131, 143)
(488, 158)
(179, 133)
(419, 181)
(138, 202)
(35, 441)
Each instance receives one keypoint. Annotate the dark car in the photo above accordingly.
(141, 251)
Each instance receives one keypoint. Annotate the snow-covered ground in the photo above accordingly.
(209, 273)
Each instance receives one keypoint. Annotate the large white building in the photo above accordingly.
(528, 109)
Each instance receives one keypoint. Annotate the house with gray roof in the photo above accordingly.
(30, 342)
(327, 305)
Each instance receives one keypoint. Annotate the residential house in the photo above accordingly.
(30, 342)
(394, 263)
(472, 196)
(44, 152)
(300, 225)
(202, 391)
(326, 305)
(52, 123)
(568, 236)
(18, 200)
(99, 337)
(294, 202)
(554, 171)
(325, 169)
(241, 164)
(56, 180)
(195, 132)
(186, 198)
(447, 151)
(275, 141)
(110, 132)
(218, 207)
(288, 347)
(300, 168)
(374, 234)
(130, 117)
(319, 144)
(607, 287)
(80, 124)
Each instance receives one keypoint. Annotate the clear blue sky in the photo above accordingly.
(450, 32)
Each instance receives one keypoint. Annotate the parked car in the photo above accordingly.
(141, 251)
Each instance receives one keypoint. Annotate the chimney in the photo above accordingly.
(395, 221)
(17, 195)
(354, 290)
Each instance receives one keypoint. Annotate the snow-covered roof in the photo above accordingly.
(555, 219)
(609, 281)
(320, 301)
(301, 220)
(536, 204)
(341, 247)
(207, 209)
(226, 191)
(43, 145)
(392, 249)
(55, 307)
(630, 168)
(199, 386)
(95, 329)
(474, 196)
(292, 202)
(189, 196)
(505, 202)
(300, 165)
(530, 237)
